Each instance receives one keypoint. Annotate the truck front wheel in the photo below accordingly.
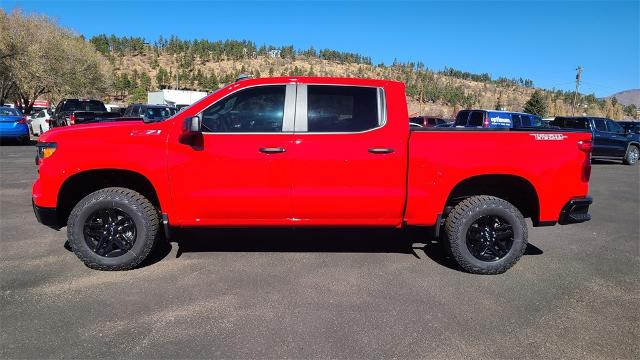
(113, 229)
(486, 234)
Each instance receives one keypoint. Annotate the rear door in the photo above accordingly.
(617, 138)
(349, 161)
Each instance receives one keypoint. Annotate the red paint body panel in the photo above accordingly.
(326, 179)
(440, 160)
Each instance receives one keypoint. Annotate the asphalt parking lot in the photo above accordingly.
(323, 294)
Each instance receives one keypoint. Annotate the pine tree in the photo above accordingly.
(536, 104)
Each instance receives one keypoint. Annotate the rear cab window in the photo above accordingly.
(84, 105)
(571, 123)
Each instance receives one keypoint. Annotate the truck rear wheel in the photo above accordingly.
(486, 234)
(113, 229)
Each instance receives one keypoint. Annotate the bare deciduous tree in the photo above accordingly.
(39, 57)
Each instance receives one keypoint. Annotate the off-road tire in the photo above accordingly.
(629, 158)
(462, 217)
(139, 208)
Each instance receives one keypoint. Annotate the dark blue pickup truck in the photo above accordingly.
(610, 140)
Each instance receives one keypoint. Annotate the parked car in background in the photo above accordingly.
(427, 121)
(13, 125)
(78, 111)
(496, 119)
(40, 122)
(631, 127)
(610, 140)
(150, 112)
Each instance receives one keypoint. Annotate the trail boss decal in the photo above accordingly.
(549, 136)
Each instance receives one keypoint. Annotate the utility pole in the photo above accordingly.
(575, 95)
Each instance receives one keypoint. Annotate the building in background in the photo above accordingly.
(177, 98)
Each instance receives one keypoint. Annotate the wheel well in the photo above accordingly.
(514, 189)
(82, 184)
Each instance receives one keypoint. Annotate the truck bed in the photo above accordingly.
(441, 158)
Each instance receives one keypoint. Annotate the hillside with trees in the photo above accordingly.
(141, 66)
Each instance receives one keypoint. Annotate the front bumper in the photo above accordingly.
(46, 216)
(576, 211)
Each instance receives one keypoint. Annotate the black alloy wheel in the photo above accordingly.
(489, 238)
(109, 232)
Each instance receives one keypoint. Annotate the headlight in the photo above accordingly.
(46, 149)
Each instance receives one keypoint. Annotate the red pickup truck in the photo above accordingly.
(307, 151)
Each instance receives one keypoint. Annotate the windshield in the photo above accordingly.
(83, 105)
(9, 112)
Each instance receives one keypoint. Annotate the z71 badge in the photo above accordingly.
(549, 136)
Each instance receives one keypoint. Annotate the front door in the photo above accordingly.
(239, 174)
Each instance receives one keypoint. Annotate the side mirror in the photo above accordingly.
(193, 125)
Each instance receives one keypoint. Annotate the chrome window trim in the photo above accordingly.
(302, 107)
(287, 116)
(301, 122)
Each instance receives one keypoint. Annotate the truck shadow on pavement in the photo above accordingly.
(417, 242)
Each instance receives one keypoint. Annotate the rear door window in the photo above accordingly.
(342, 108)
(476, 118)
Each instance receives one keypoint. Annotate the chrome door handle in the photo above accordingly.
(381, 150)
(272, 150)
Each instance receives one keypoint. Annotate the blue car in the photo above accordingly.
(13, 125)
(496, 119)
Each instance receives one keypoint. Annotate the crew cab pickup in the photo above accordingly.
(610, 139)
(79, 111)
(307, 151)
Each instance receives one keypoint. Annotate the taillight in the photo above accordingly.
(585, 145)
(23, 120)
(486, 121)
(72, 119)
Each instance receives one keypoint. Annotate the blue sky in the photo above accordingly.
(541, 40)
